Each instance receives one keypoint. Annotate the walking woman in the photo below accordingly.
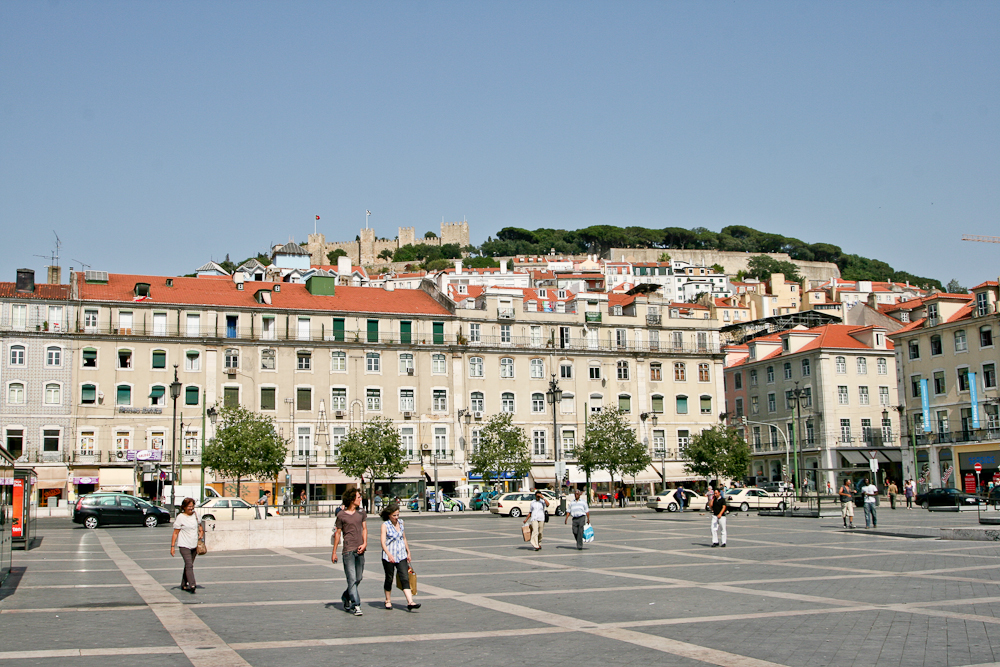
(908, 491)
(187, 532)
(395, 555)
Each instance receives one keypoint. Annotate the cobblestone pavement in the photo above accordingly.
(649, 590)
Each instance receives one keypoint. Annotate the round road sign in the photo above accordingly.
(979, 468)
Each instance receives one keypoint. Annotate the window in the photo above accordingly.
(192, 361)
(505, 334)
(159, 358)
(656, 403)
(939, 384)
(883, 396)
(507, 402)
(915, 386)
(17, 355)
(303, 399)
(623, 370)
(476, 401)
(738, 380)
(372, 331)
(807, 397)
(230, 397)
(567, 404)
(267, 360)
(703, 374)
(986, 336)
(595, 371)
(677, 339)
(407, 402)
(191, 395)
(406, 363)
(882, 366)
(536, 336)
(772, 404)
(406, 440)
(845, 430)
(157, 395)
(440, 441)
(506, 367)
(89, 357)
(373, 362)
(625, 403)
(270, 332)
(753, 378)
(303, 328)
(961, 343)
(842, 396)
(374, 399)
(159, 324)
(338, 361)
(124, 359)
(475, 367)
(438, 364)
(682, 405)
(841, 365)
(537, 368)
(193, 325)
(123, 395)
(338, 399)
(304, 441)
(566, 371)
(806, 368)
(475, 333)
(706, 404)
(683, 439)
(754, 405)
(18, 315)
(50, 439)
(53, 356)
(862, 366)
(914, 347)
(680, 372)
(437, 329)
(770, 374)
(963, 379)
(232, 358)
(616, 310)
(863, 396)
(989, 376)
(789, 398)
(87, 441)
(405, 331)
(787, 368)
(655, 372)
(15, 393)
(88, 394)
(267, 398)
(936, 347)
(596, 403)
(303, 360)
(621, 338)
(440, 400)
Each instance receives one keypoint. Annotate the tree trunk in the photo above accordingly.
(239, 481)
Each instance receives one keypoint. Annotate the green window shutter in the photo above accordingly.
(706, 405)
(159, 359)
(89, 394)
(157, 392)
(338, 329)
(230, 397)
(625, 403)
(191, 396)
(682, 405)
(439, 333)
(657, 404)
(405, 330)
(372, 331)
(267, 398)
(89, 354)
(303, 399)
(124, 396)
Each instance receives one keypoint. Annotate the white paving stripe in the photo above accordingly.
(199, 643)
(86, 652)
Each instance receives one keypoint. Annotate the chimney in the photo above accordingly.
(54, 275)
(458, 267)
(25, 280)
(343, 266)
(388, 285)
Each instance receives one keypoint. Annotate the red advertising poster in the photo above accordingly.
(970, 483)
(17, 528)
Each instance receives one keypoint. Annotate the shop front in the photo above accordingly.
(51, 485)
(987, 455)
(6, 512)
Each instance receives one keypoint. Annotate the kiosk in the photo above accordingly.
(21, 503)
(6, 511)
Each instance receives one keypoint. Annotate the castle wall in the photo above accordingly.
(365, 252)
(733, 262)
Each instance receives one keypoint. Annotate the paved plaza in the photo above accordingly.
(648, 591)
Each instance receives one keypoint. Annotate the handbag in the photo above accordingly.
(201, 549)
(588, 533)
(526, 531)
(413, 581)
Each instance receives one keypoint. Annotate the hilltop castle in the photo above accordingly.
(365, 251)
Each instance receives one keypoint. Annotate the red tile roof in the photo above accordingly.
(201, 292)
(42, 291)
(988, 283)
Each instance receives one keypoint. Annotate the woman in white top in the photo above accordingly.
(187, 532)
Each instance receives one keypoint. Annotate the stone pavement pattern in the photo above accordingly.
(649, 590)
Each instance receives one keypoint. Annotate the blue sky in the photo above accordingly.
(154, 136)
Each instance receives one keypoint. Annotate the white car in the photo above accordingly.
(223, 509)
(667, 501)
(516, 504)
(753, 499)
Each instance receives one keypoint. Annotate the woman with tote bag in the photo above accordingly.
(395, 556)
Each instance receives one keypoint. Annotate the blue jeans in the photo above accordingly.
(354, 568)
(871, 515)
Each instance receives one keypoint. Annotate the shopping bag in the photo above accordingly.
(413, 582)
(588, 533)
(526, 531)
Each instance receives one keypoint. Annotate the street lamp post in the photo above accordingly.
(554, 397)
(797, 393)
(213, 416)
(175, 392)
(295, 439)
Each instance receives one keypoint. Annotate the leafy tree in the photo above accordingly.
(718, 268)
(481, 263)
(430, 235)
(717, 452)
(611, 445)
(664, 257)
(372, 450)
(503, 447)
(385, 254)
(438, 264)
(246, 446)
(762, 266)
(334, 254)
(954, 287)
(227, 265)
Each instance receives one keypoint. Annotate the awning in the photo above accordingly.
(543, 475)
(577, 476)
(675, 471)
(411, 474)
(50, 477)
(117, 479)
(445, 473)
(321, 476)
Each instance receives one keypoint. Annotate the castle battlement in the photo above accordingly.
(365, 251)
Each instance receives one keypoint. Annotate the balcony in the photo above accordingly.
(653, 320)
(963, 436)
(301, 458)
(87, 456)
(505, 313)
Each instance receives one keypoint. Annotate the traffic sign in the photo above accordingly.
(978, 467)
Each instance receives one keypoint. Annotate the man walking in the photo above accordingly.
(439, 501)
(536, 516)
(892, 491)
(580, 511)
(719, 511)
(870, 492)
(350, 526)
(846, 494)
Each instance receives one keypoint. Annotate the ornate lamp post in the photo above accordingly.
(554, 397)
(175, 392)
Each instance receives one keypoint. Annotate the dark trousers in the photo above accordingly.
(578, 523)
(402, 567)
(354, 569)
(892, 501)
(187, 579)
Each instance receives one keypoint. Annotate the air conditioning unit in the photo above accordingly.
(120, 455)
(409, 371)
(339, 414)
(230, 371)
(477, 414)
(425, 448)
(407, 415)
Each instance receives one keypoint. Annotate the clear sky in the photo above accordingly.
(153, 136)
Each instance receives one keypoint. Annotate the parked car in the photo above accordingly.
(450, 504)
(747, 499)
(667, 501)
(187, 491)
(105, 509)
(551, 497)
(516, 504)
(776, 487)
(223, 509)
(947, 497)
(481, 501)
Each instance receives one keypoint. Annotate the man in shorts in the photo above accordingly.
(847, 503)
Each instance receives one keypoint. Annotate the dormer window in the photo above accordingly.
(142, 290)
(463, 289)
(543, 293)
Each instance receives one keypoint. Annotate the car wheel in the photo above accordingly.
(209, 517)
(454, 508)
(515, 512)
(781, 507)
(925, 504)
(658, 509)
(152, 522)
(560, 512)
(745, 507)
(91, 522)
(672, 507)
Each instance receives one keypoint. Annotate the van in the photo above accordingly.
(183, 491)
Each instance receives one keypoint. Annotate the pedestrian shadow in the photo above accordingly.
(334, 605)
(10, 586)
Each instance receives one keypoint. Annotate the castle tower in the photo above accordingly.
(455, 232)
(407, 236)
(366, 248)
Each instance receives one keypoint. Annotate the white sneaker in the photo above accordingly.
(358, 612)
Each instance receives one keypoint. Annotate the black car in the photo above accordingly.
(100, 509)
(947, 497)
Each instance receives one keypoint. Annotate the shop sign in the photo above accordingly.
(140, 411)
(144, 455)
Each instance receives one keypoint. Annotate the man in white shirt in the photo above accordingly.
(870, 492)
(580, 511)
(536, 515)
